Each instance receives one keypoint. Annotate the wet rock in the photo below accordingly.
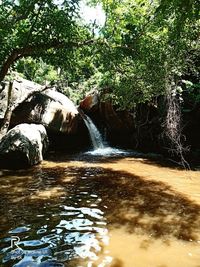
(23, 146)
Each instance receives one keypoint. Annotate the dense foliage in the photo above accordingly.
(150, 44)
(38, 29)
(145, 49)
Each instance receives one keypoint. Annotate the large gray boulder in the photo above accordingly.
(23, 146)
(50, 108)
(34, 103)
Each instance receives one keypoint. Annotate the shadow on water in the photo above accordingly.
(39, 200)
(128, 200)
(149, 206)
(148, 158)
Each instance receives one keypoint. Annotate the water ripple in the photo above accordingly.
(75, 232)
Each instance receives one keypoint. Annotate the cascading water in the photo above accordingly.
(100, 148)
(95, 135)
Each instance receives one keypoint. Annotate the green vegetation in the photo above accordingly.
(38, 29)
(141, 51)
(146, 49)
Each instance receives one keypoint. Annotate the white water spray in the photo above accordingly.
(95, 135)
(100, 148)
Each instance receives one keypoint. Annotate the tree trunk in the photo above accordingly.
(8, 113)
(9, 61)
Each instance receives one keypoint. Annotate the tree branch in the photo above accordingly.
(30, 50)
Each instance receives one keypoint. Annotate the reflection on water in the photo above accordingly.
(119, 212)
(57, 227)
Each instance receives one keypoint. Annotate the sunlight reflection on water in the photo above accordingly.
(77, 233)
(58, 233)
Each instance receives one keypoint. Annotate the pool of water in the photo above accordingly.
(115, 210)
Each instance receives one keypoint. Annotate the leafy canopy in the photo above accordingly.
(149, 43)
(143, 47)
(38, 28)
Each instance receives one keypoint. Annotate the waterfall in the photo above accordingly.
(100, 148)
(95, 135)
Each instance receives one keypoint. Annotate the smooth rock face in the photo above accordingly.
(21, 89)
(50, 108)
(23, 146)
(90, 102)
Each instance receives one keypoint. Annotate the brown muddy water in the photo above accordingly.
(81, 210)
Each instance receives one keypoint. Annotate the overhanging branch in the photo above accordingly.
(30, 50)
